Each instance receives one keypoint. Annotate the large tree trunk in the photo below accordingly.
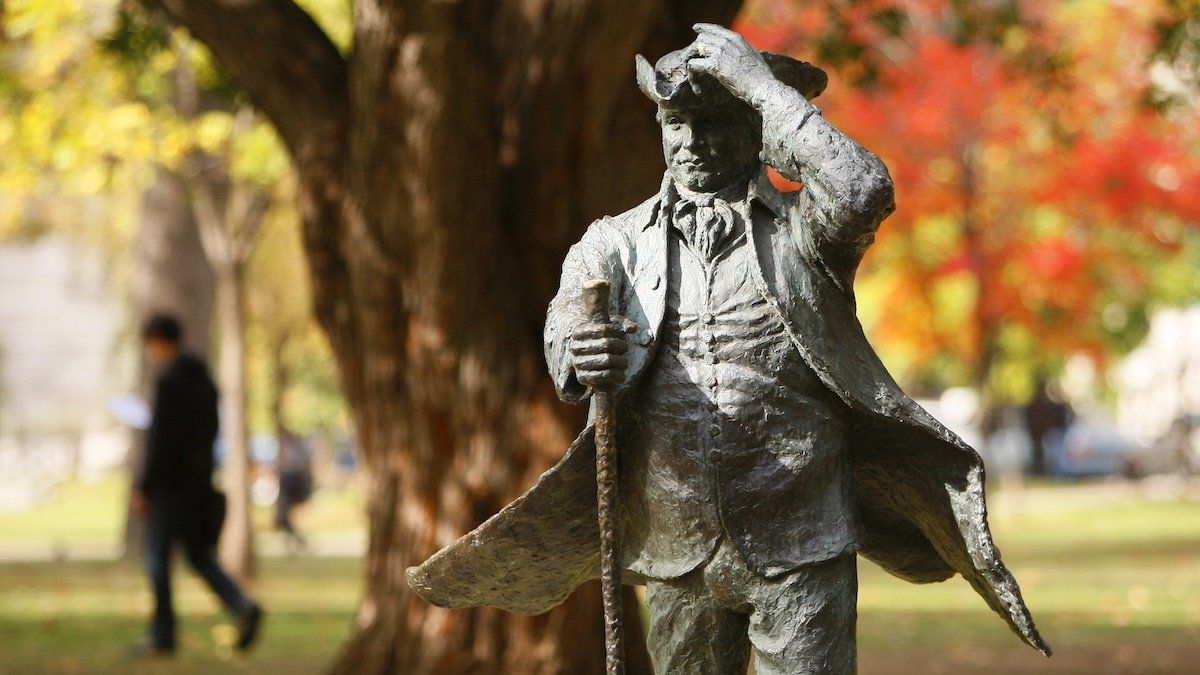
(237, 544)
(444, 168)
(170, 274)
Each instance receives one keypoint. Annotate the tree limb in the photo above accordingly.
(275, 52)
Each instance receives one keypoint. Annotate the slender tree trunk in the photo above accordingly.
(237, 545)
(444, 167)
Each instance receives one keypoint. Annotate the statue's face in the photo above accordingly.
(708, 148)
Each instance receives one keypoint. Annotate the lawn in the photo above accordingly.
(1113, 579)
(81, 618)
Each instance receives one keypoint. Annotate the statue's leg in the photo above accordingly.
(691, 633)
(804, 621)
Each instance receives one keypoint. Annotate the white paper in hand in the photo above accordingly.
(130, 410)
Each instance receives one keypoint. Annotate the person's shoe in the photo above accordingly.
(248, 624)
(149, 650)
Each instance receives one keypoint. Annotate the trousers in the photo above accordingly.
(169, 522)
(708, 621)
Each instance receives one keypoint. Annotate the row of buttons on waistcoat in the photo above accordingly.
(709, 340)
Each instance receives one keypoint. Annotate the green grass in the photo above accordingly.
(82, 617)
(1114, 588)
(95, 509)
(1113, 581)
(76, 510)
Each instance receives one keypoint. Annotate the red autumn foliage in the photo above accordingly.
(1035, 187)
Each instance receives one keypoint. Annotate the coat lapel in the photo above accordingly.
(645, 297)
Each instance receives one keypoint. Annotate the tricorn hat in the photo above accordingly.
(668, 84)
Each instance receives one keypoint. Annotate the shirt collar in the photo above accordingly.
(759, 190)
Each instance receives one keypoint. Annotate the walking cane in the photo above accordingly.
(595, 302)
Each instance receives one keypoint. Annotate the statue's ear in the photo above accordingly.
(647, 79)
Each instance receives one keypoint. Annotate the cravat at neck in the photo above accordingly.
(705, 227)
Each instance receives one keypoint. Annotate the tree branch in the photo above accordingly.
(209, 220)
(275, 52)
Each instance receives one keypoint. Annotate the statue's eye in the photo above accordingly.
(674, 121)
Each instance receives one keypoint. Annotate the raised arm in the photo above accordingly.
(847, 190)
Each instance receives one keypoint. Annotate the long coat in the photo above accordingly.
(177, 475)
(179, 443)
(919, 487)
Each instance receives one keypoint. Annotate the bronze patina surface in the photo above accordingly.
(761, 443)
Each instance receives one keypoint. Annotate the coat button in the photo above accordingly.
(708, 317)
(714, 456)
(645, 339)
(655, 281)
(714, 431)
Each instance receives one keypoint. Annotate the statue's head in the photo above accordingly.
(710, 137)
(708, 147)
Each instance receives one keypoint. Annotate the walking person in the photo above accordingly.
(295, 487)
(175, 492)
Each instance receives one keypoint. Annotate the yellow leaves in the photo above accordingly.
(128, 117)
(211, 131)
(934, 239)
(1016, 39)
(57, 32)
(335, 18)
(258, 156)
(175, 143)
(253, 150)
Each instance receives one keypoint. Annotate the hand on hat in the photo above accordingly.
(728, 58)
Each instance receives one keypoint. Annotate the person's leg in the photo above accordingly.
(283, 514)
(158, 568)
(804, 622)
(202, 559)
(690, 633)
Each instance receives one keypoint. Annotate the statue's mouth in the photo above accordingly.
(697, 164)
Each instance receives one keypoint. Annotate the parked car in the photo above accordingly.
(1090, 448)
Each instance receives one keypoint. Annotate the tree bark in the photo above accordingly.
(444, 168)
(237, 536)
(229, 215)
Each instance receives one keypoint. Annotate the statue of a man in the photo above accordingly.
(761, 442)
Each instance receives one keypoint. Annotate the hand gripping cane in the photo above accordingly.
(595, 302)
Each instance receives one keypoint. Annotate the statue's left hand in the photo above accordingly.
(727, 57)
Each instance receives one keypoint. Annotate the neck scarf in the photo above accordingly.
(706, 220)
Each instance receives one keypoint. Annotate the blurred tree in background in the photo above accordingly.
(443, 156)
(1048, 194)
(120, 132)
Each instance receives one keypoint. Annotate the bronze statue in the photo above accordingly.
(761, 443)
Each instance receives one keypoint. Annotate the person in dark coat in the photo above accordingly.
(174, 491)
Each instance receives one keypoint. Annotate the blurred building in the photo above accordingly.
(60, 358)
(1159, 382)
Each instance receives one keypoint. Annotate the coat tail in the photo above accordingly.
(922, 502)
(530, 556)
